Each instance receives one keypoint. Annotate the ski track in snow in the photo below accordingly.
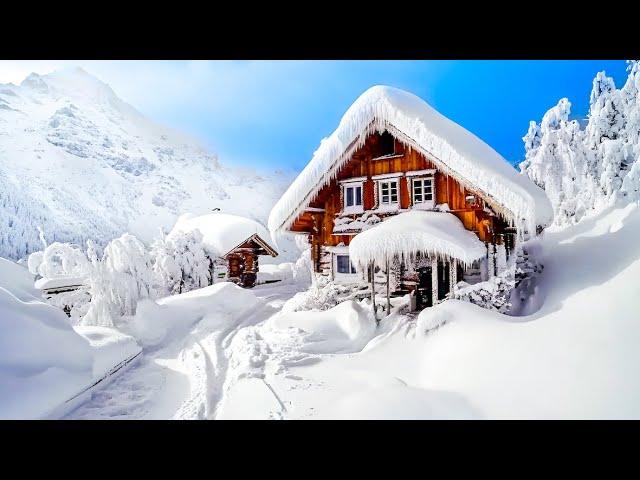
(189, 378)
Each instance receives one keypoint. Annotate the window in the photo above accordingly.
(343, 264)
(388, 192)
(423, 191)
(387, 144)
(352, 195)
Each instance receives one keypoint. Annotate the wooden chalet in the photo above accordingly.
(242, 260)
(391, 154)
(233, 243)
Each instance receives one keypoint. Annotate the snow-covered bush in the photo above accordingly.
(180, 264)
(492, 294)
(118, 280)
(303, 268)
(583, 170)
(34, 261)
(59, 260)
(323, 294)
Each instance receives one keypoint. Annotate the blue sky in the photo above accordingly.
(273, 114)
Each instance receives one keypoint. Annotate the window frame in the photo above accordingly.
(389, 181)
(423, 203)
(352, 269)
(355, 208)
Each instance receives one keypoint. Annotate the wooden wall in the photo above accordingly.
(320, 224)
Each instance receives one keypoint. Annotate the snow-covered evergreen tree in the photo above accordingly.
(585, 170)
(59, 260)
(118, 280)
(181, 264)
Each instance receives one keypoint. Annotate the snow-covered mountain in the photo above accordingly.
(80, 163)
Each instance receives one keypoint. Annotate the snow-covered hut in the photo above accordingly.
(238, 241)
(393, 153)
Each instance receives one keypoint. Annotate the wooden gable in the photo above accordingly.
(255, 245)
(375, 158)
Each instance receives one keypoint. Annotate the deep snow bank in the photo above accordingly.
(110, 347)
(398, 402)
(160, 321)
(347, 327)
(577, 357)
(43, 361)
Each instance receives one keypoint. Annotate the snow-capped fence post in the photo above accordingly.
(434, 280)
(388, 297)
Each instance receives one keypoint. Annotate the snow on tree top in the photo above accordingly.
(221, 232)
(453, 149)
(405, 235)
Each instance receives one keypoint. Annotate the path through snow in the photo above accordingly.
(188, 377)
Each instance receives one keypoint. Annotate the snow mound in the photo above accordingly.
(404, 235)
(18, 279)
(455, 150)
(43, 361)
(221, 232)
(110, 347)
(345, 328)
(399, 403)
(161, 321)
(276, 271)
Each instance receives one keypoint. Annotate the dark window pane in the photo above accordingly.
(349, 196)
(343, 263)
(358, 195)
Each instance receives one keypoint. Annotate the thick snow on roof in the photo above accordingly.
(409, 233)
(455, 150)
(221, 232)
(58, 282)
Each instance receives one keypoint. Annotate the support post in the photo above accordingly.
(453, 275)
(373, 289)
(388, 296)
(434, 281)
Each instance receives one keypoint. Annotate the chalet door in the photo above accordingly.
(423, 289)
(443, 280)
(234, 267)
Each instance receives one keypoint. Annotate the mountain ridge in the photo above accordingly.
(80, 163)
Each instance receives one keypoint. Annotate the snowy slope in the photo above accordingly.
(575, 357)
(81, 163)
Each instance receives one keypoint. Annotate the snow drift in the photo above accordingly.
(158, 322)
(346, 327)
(43, 361)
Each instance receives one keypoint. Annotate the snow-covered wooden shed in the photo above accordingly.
(236, 241)
(392, 153)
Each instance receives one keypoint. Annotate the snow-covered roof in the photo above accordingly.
(60, 282)
(221, 232)
(411, 120)
(409, 233)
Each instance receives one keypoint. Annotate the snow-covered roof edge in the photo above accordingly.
(260, 241)
(455, 151)
(434, 234)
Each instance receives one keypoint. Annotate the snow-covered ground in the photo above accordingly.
(244, 357)
(46, 366)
